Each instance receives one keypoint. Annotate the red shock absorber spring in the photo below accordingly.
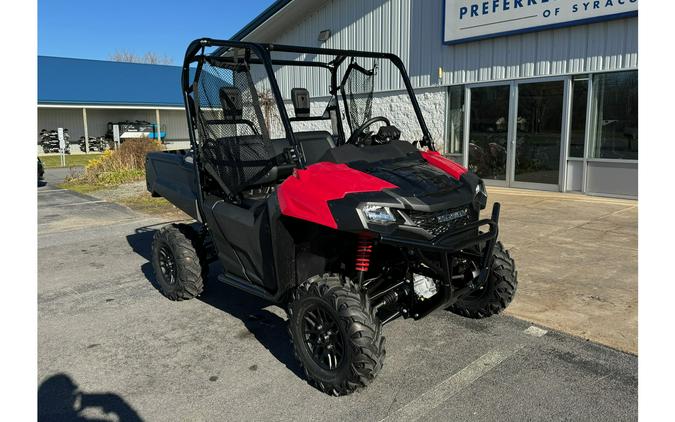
(364, 247)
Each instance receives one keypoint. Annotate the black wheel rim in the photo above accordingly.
(322, 337)
(167, 264)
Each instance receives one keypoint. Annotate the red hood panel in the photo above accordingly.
(305, 195)
(437, 160)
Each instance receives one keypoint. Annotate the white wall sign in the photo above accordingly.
(469, 20)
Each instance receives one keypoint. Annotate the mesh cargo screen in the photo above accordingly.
(233, 123)
(359, 94)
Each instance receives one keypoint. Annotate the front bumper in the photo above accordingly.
(448, 245)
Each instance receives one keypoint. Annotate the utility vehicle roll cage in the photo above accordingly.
(196, 54)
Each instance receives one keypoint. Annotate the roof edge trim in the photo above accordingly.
(260, 19)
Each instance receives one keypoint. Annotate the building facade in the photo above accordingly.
(534, 94)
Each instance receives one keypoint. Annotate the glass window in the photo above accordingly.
(455, 138)
(539, 132)
(488, 130)
(578, 123)
(615, 123)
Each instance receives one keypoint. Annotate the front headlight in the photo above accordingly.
(378, 214)
(480, 197)
(480, 189)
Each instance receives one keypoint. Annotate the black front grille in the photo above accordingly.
(440, 222)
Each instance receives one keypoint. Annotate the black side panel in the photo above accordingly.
(171, 175)
(243, 239)
(284, 247)
(226, 253)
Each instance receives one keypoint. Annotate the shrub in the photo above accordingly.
(125, 164)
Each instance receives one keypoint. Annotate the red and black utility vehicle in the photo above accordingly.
(306, 204)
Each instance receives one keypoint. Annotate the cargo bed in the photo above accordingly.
(170, 174)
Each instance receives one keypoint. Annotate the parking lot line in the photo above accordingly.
(535, 331)
(432, 399)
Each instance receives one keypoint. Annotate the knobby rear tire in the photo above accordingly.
(186, 246)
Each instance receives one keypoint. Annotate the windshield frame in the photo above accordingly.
(264, 57)
(336, 82)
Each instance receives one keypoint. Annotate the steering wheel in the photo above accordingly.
(357, 135)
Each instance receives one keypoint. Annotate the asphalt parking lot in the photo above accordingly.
(111, 344)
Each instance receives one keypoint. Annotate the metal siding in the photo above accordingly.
(413, 29)
(528, 55)
(486, 61)
(175, 123)
(612, 178)
(67, 118)
(543, 53)
(631, 44)
(614, 46)
(560, 52)
(499, 58)
(512, 62)
(595, 47)
(576, 60)
(456, 64)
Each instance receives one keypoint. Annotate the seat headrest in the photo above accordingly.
(300, 98)
(230, 99)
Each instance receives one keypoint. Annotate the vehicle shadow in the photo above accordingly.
(60, 399)
(263, 325)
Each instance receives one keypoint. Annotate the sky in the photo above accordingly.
(95, 29)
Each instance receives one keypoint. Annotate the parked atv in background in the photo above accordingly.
(348, 229)
(96, 144)
(49, 139)
(134, 130)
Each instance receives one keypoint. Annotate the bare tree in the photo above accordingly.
(148, 58)
(268, 104)
(124, 56)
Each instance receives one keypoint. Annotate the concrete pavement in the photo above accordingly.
(577, 262)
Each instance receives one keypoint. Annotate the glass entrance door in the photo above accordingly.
(538, 133)
(515, 133)
(488, 131)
